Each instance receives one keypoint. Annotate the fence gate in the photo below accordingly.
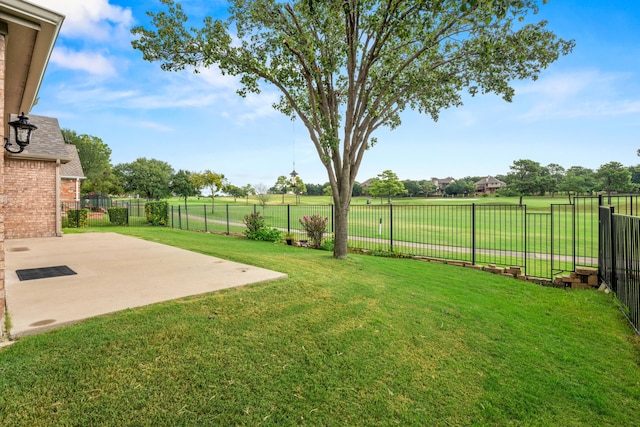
(563, 239)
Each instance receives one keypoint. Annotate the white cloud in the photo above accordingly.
(93, 19)
(214, 77)
(155, 126)
(92, 63)
(590, 93)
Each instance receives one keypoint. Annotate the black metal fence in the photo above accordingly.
(619, 260)
(544, 243)
(98, 215)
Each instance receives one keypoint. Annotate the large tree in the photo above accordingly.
(346, 68)
(95, 158)
(460, 186)
(386, 184)
(148, 177)
(182, 185)
(281, 186)
(526, 178)
(209, 180)
(613, 176)
(578, 180)
(554, 178)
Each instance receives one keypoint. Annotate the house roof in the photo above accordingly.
(31, 34)
(73, 169)
(490, 180)
(46, 141)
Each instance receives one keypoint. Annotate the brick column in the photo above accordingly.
(3, 128)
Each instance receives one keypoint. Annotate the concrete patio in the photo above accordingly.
(114, 272)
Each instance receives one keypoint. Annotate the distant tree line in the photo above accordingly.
(156, 179)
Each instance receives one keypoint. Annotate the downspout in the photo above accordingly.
(58, 210)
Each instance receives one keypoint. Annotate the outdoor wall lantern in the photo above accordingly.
(22, 129)
(294, 177)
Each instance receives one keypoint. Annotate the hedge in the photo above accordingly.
(157, 213)
(118, 216)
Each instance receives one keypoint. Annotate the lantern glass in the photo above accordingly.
(23, 135)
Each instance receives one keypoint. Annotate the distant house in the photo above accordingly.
(489, 185)
(441, 183)
(34, 184)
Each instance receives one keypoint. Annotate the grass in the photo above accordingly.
(362, 341)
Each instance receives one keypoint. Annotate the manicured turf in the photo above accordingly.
(363, 341)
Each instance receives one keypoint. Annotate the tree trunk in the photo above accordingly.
(342, 203)
(341, 232)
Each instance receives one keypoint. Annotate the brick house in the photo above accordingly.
(71, 177)
(489, 185)
(39, 180)
(27, 36)
(441, 183)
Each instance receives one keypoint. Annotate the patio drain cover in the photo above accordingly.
(44, 272)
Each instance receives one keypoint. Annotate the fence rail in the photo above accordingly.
(619, 261)
(543, 244)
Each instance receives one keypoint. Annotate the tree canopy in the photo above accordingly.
(182, 185)
(95, 158)
(209, 180)
(460, 187)
(526, 178)
(345, 68)
(148, 177)
(613, 176)
(386, 184)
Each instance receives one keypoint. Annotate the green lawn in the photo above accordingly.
(504, 234)
(363, 341)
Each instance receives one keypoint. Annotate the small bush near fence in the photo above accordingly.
(315, 225)
(117, 216)
(78, 218)
(157, 213)
(257, 229)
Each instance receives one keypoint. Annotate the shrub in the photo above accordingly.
(315, 226)
(157, 213)
(257, 229)
(78, 218)
(328, 245)
(118, 215)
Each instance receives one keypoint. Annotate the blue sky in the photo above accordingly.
(583, 111)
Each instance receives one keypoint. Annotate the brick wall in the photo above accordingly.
(2, 208)
(68, 190)
(30, 189)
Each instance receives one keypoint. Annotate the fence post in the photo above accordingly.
(473, 233)
(186, 216)
(228, 229)
(525, 220)
(333, 217)
(205, 218)
(612, 231)
(288, 218)
(575, 236)
(127, 213)
(390, 227)
(179, 218)
(255, 208)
